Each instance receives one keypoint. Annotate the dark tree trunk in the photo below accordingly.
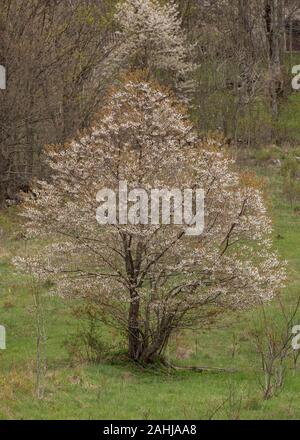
(274, 28)
(134, 338)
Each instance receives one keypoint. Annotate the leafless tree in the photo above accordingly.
(51, 51)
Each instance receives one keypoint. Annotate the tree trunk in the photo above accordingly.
(134, 341)
(141, 348)
(274, 27)
(150, 352)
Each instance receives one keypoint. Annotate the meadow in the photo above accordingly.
(114, 388)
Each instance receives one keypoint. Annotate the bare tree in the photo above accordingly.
(51, 51)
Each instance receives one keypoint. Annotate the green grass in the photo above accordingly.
(119, 390)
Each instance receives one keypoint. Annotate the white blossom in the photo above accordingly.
(165, 277)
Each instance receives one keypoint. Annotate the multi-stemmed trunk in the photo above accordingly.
(140, 347)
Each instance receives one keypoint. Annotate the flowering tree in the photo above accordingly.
(150, 37)
(150, 280)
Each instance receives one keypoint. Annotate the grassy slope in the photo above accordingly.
(120, 390)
